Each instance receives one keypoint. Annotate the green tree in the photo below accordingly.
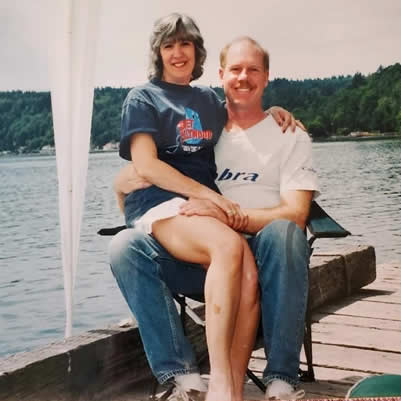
(384, 116)
(326, 106)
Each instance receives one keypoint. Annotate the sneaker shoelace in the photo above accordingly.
(178, 394)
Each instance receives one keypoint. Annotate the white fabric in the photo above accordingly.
(256, 165)
(73, 35)
(191, 381)
(165, 210)
(279, 389)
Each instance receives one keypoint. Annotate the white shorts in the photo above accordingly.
(165, 210)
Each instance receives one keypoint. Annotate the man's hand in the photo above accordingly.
(127, 181)
(204, 207)
(285, 119)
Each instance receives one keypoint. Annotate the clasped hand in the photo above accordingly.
(233, 217)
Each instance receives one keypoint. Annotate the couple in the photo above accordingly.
(183, 226)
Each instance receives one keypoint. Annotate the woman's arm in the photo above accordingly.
(150, 168)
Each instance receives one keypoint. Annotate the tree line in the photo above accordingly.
(329, 106)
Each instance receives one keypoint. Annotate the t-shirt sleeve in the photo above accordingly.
(223, 116)
(297, 170)
(137, 116)
(221, 112)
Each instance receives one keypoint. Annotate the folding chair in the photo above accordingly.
(319, 225)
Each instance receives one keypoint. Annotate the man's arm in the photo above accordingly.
(298, 183)
(126, 181)
(294, 206)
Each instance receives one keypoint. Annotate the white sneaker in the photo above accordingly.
(281, 390)
(179, 394)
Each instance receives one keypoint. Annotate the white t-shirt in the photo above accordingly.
(256, 165)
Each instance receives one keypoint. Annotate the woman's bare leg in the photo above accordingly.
(247, 320)
(207, 241)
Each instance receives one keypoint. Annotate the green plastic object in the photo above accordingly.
(376, 386)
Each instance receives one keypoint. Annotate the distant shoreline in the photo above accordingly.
(317, 140)
(38, 154)
(357, 138)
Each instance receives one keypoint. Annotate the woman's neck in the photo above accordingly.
(183, 82)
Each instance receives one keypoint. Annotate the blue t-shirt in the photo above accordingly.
(185, 123)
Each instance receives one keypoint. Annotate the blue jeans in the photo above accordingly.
(147, 275)
(282, 255)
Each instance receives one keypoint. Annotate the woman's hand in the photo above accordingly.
(237, 220)
(285, 119)
(203, 207)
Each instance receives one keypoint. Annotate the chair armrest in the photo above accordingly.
(111, 230)
(321, 225)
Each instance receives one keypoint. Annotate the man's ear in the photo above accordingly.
(267, 79)
(221, 73)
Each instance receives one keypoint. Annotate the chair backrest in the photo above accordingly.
(321, 225)
(111, 230)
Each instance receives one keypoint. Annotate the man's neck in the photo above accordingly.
(243, 118)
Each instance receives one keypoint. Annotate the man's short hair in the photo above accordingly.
(177, 27)
(226, 48)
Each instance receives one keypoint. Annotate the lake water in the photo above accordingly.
(361, 188)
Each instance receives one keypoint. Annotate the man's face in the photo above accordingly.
(244, 77)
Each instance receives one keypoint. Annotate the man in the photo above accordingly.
(271, 176)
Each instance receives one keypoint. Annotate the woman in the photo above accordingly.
(169, 129)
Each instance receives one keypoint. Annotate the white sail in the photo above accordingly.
(71, 67)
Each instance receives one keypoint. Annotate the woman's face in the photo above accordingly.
(178, 57)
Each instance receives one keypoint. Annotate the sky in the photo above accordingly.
(305, 38)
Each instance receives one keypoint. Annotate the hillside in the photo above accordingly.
(330, 106)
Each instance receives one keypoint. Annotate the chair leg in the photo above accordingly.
(309, 375)
(182, 302)
(256, 380)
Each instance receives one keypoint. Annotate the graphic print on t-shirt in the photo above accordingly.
(228, 174)
(190, 135)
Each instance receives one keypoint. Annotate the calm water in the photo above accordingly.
(361, 188)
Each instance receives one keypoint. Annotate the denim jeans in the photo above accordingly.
(282, 255)
(147, 275)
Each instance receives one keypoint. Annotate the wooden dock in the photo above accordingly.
(355, 337)
(356, 333)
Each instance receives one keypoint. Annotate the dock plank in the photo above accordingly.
(348, 377)
(366, 324)
(377, 296)
(359, 337)
(350, 321)
(351, 359)
(364, 309)
(345, 377)
(325, 389)
(355, 359)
